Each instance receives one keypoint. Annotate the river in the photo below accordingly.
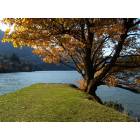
(10, 82)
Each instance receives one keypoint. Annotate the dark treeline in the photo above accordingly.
(13, 63)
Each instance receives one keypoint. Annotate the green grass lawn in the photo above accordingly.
(54, 103)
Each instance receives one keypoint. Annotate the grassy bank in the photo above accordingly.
(54, 102)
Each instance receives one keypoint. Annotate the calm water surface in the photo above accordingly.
(10, 82)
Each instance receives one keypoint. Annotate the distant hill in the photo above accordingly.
(14, 64)
(25, 53)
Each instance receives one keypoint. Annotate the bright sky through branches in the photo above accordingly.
(3, 27)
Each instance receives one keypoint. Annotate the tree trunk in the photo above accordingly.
(91, 89)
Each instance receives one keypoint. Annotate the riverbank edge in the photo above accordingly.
(136, 91)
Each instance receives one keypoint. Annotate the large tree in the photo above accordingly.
(92, 46)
